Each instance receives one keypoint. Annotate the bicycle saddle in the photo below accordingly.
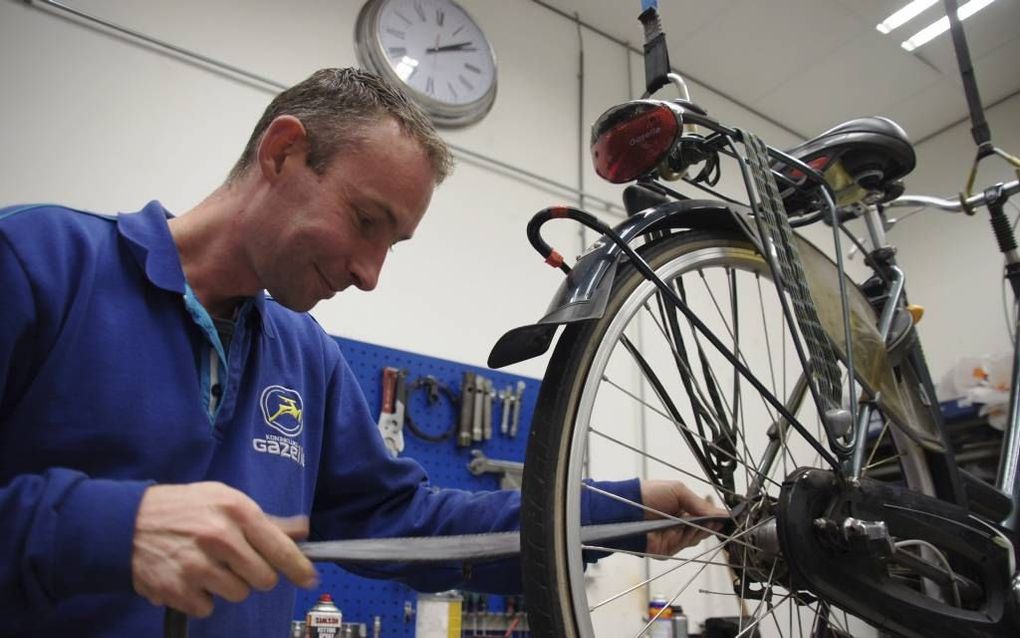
(871, 153)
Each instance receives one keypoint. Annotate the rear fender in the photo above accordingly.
(584, 293)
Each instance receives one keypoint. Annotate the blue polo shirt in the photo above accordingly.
(113, 378)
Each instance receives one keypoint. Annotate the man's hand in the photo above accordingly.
(675, 499)
(193, 541)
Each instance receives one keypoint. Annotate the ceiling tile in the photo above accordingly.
(858, 79)
(930, 109)
(810, 63)
(986, 30)
(620, 19)
(754, 46)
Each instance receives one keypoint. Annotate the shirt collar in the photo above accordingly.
(148, 238)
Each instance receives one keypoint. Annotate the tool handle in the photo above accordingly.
(175, 624)
(389, 389)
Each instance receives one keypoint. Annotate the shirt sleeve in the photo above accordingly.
(62, 533)
(362, 492)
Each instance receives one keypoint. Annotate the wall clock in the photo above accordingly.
(434, 51)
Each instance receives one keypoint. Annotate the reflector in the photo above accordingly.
(629, 140)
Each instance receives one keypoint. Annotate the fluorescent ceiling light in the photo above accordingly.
(941, 26)
(904, 15)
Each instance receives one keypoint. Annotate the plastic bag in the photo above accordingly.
(982, 381)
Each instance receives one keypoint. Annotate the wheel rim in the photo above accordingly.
(731, 261)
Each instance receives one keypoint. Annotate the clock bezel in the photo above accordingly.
(371, 55)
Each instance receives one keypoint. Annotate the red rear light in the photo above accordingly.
(818, 163)
(631, 139)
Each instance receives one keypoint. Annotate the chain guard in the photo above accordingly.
(855, 576)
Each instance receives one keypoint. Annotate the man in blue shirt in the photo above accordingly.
(167, 431)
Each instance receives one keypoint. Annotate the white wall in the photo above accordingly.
(99, 121)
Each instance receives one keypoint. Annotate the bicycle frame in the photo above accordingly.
(1008, 475)
(583, 294)
(816, 508)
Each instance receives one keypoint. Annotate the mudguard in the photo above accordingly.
(583, 295)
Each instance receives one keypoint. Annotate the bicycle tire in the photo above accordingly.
(551, 577)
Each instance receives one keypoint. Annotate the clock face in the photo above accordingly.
(435, 51)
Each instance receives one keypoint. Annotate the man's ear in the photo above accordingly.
(285, 137)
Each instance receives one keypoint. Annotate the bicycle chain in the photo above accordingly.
(770, 210)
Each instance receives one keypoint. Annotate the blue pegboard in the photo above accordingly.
(361, 599)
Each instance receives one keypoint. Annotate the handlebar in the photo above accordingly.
(951, 205)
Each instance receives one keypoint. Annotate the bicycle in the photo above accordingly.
(778, 377)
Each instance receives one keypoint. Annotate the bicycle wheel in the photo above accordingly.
(702, 423)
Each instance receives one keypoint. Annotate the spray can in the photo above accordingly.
(679, 620)
(324, 619)
(658, 608)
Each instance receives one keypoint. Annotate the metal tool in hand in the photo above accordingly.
(463, 547)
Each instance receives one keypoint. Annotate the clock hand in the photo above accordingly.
(460, 46)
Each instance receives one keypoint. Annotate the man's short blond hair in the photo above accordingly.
(336, 106)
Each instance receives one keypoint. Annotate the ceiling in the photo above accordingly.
(810, 64)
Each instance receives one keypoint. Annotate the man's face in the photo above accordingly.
(327, 232)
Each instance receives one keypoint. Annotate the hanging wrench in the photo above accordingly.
(467, 407)
(487, 409)
(477, 430)
(516, 409)
(506, 396)
(391, 417)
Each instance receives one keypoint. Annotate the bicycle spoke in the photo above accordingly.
(719, 593)
(775, 620)
(761, 601)
(711, 376)
(687, 430)
(733, 331)
(882, 462)
(656, 577)
(800, 624)
(782, 601)
(665, 463)
(675, 596)
(878, 443)
(662, 557)
(818, 611)
(652, 510)
(741, 431)
(700, 343)
(772, 371)
(701, 407)
(678, 350)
